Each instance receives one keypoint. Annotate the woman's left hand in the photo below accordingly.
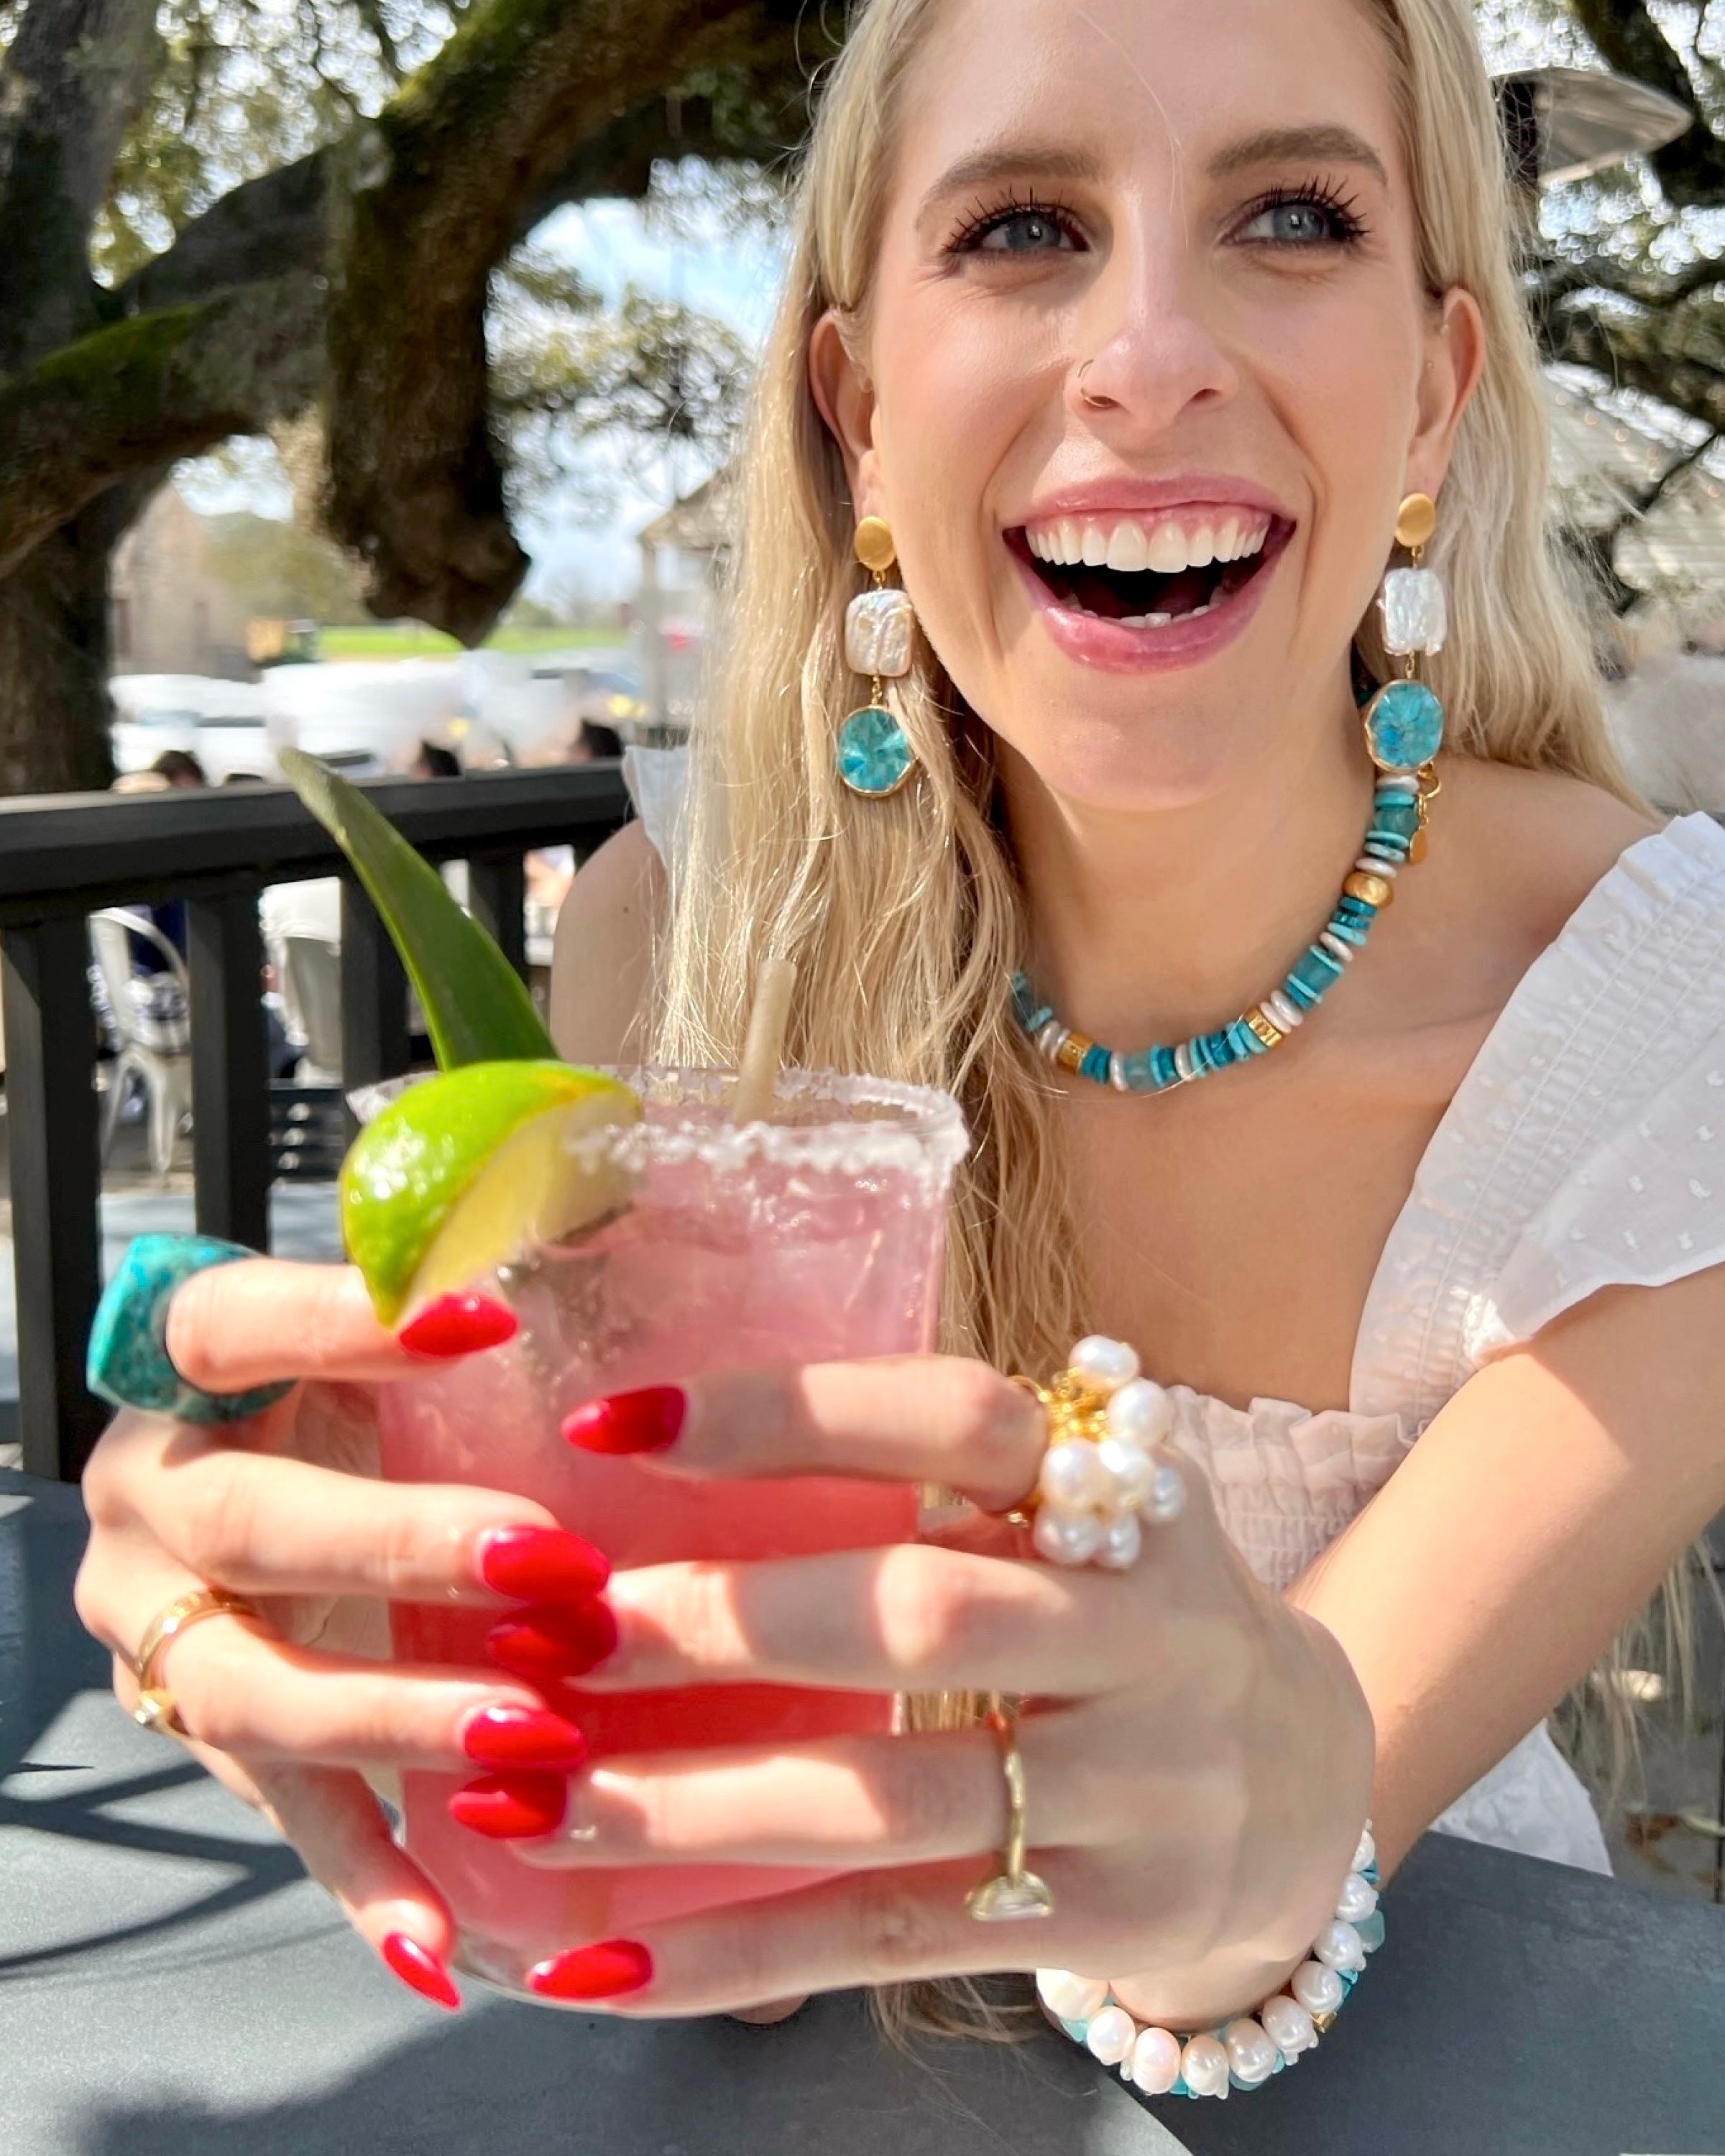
(1198, 1754)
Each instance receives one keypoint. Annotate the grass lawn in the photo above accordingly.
(411, 640)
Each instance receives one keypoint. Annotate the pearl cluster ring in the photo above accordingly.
(1100, 1478)
(1244, 2053)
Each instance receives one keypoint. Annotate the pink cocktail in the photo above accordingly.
(814, 1239)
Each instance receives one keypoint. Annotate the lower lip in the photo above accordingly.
(1110, 646)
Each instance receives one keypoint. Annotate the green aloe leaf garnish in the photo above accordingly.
(477, 1008)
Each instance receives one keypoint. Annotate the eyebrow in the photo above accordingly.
(1049, 161)
(1277, 146)
(1327, 144)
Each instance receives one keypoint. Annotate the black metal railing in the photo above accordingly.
(61, 858)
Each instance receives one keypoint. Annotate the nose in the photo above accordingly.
(1143, 352)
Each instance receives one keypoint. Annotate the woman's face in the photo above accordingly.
(1148, 367)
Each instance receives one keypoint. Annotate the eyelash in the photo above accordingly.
(983, 219)
(1326, 195)
(1342, 206)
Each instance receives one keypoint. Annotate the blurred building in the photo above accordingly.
(171, 615)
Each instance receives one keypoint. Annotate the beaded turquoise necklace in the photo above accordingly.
(1403, 716)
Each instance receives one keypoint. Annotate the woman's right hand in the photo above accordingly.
(294, 1713)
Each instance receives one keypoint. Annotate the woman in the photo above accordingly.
(1229, 280)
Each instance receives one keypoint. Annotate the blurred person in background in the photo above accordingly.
(179, 768)
(434, 762)
(595, 744)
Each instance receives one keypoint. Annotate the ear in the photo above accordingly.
(845, 398)
(1455, 359)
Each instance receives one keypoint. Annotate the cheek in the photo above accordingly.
(1343, 387)
(964, 401)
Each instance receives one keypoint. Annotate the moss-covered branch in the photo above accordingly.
(75, 73)
(144, 392)
(500, 118)
(263, 228)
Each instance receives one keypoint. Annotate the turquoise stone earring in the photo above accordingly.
(1404, 720)
(873, 754)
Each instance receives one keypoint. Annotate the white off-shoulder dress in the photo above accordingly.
(1585, 1148)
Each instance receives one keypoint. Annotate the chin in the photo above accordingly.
(1154, 764)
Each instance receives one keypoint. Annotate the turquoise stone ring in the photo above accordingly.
(1404, 726)
(873, 757)
(128, 1363)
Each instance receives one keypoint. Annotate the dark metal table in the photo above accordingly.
(169, 1982)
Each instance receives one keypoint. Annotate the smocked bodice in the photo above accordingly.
(1585, 1148)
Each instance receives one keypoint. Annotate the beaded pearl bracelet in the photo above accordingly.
(1244, 2053)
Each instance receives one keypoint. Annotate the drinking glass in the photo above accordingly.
(813, 1238)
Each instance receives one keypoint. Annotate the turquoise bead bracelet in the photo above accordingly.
(1398, 818)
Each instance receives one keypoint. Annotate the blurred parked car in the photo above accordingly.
(219, 722)
(379, 710)
(606, 696)
(368, 717)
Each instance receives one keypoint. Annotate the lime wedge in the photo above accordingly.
(476, 1006)
(473, 1168)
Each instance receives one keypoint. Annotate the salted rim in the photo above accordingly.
(923, 1129)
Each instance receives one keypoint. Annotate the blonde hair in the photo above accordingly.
(904, 916)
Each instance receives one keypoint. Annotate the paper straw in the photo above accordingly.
(763, 1052)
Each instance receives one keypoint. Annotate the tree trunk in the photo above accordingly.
(54, 651)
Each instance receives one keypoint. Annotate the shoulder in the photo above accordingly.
(1515, 855)
(602, 961)
(1539, 841)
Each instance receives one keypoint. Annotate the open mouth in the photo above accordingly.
(1151, 573)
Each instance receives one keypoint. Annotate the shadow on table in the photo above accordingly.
(1519, 2007)
(46, 1656)
(507, 2081)
(49, 1664)
(257, 1869)
(1535, 2011)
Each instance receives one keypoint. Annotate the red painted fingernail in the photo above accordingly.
(541, 1564)
(600, 1972)
(522, 1736)
(459, 1325)
(646, 1421)
(419, 1969)
(546, 1645)
(510, 1807)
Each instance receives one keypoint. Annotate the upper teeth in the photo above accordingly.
(1164, 544)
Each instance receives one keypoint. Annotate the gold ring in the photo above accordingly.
(156, 1709)
(1013, 1892)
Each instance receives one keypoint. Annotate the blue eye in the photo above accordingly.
(1018, 232)
(1308, 219)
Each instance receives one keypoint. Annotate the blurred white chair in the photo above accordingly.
(154, 1048)
(310, 970)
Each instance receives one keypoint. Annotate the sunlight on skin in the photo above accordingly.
(1246, 309)
(1303, 371)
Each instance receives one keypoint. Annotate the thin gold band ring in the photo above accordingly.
(1014, 1893)
(156, 1709)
